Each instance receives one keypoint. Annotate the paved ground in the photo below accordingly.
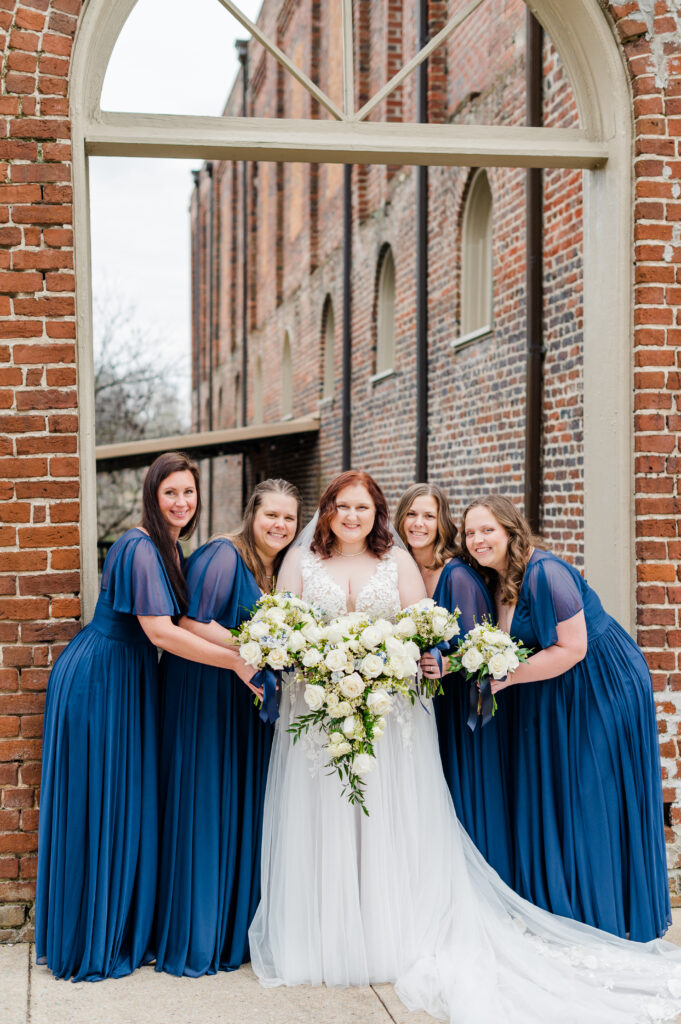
(30, 995)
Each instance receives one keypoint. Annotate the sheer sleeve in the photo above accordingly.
(136, 580)
(210, 578)
(554, 595)
(463, 589)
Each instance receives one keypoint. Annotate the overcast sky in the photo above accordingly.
(172, 56)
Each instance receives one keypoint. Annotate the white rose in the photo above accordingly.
(336, 737)
(338, 749)
(296, 642)
(313, 696)
(371, 637)
(349, 726)
(393, 645)
(379, 702)
(251, 653)
(450, 631)
(439, 622)
(336, 659)
(332, 700)
(384, 627)
(362, 764)
(311, 657)
(472, 659)
(344, 708)
(512, 661)
(334, 632)
(277, 657)
(312, 632)
(277, 615)
(378, 732)
(372, 666)
(258, 630)
(412, 650)
(352, 686)
(497, 666)
(406, 627)
(335, 711)
(425, 604)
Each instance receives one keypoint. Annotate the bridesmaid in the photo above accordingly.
(97, 854)
(215, 752)
(589, 835)
(474, 761)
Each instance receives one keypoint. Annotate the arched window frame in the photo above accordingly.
(477, 271)
(328, 350)
(385, 357)
(287, 377)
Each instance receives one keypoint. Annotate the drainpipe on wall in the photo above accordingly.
(346, 416)
(211, 277)
(242, 53)
(422, 269)
(196, 306)
(534, 281)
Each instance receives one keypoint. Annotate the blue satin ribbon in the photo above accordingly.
(485, 698)
(269, 680)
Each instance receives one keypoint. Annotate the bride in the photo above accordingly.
(403, 895)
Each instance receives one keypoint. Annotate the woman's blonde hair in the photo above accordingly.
(520, 543)
(243, 539)
(446, 545)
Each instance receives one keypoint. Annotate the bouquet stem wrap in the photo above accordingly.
(269, 680)
(480, 703)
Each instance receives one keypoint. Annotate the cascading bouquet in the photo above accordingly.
(485, 653)
(431, 628)
(352, 676)
(280, 630)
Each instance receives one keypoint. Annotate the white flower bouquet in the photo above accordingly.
(431, 628)
(280, 630)
(485, 653)
(352, 676)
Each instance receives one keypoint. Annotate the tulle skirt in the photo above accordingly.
(403, 896)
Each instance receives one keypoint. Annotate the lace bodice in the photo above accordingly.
(379, 597)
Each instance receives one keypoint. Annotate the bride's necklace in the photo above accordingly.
(347, 554)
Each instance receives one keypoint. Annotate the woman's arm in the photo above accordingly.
(163, 633)
(289, 577)
(409, 579)
(553, 661)
(211, 631)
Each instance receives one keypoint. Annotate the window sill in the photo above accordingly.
(376, 378)
(467, 339)
(326, 402)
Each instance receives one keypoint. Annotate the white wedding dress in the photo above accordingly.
(404, 896)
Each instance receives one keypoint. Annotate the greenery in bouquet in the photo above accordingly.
(431, 628)
(352, 675)
(279, 631)
(487, 652)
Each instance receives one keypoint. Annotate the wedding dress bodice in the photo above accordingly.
(378, 598)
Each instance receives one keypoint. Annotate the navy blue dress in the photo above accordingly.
(214, 757)
(98, 844)
(475, 763)
(588, 814)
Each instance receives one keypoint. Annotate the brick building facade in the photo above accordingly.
(294, 227)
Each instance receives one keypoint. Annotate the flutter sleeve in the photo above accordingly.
(211, 572)
(137, 581)
(554, 595)
(463, 589)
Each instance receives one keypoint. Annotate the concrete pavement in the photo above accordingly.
(30, 995)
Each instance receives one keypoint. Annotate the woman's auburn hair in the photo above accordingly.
(521, 540)
(154, 523)
(445, 546)
(379, 541)
(244, 539)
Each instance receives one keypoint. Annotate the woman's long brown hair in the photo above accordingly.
(244, 541)
(156, 526)
(445, 546)
(520, 543)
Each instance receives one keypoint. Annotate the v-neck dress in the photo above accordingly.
(588, 816)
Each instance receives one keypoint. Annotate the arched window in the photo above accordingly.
(385, 314)
(286, 378)
(476, 258)
(257, 392)
(328, 332)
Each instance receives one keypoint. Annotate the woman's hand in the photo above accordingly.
(430, 667)
(496, 685)
(245, 673)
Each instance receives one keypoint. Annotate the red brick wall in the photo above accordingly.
(476, 394)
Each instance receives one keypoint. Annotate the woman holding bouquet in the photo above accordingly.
(474, 758)
(97, 857)
(588, 825)
(215, 750)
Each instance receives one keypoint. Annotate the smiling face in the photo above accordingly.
(354, 517)
(274, 524)
(486, 539)
(177, 499)
(421, 522)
